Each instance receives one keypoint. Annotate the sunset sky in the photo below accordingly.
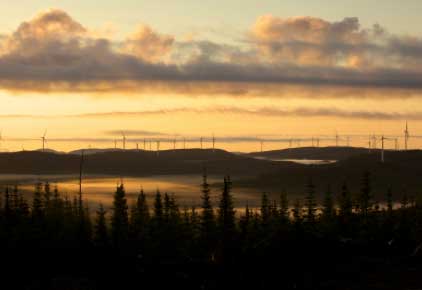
(241, 70)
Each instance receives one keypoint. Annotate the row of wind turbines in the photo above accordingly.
(148, 144)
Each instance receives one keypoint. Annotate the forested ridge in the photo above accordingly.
(56, 242)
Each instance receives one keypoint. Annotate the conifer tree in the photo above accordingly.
(310, 203)
(328, 211)
(101, 237)
(37, 203)
(139, 216)
(158, 207)
(365, 196)
(207, 214)
(226, 212)
(119, 218)
(265, 209)
(284, 208)
(345, 202)
(389, 200)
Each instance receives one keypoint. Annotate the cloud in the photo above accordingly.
(134, 132)
(54, 53)
(261, 111)
(148, 45)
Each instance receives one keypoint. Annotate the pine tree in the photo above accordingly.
(310, 203)
(297, 212)
(37, 203)
(284, 208)
(101, 237)
(226, 212)
(328, 211)
(207, 214)
(389, 200)
(158, 208)
(265, 209)
(119, 218)
(139, 216)
(345, 202)
(365, 196)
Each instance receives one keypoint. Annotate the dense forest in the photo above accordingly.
(347, 241)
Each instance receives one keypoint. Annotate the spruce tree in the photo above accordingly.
(310, 203)
(101, 237)
(119, 218)
(226, 212)
(284, 208)
(328, 211)
(365, 196)
(139, 216)
(37, 203)
(158, 208)
(265, 209)
(207, 214)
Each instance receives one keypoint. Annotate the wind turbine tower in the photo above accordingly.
(124, 140)
(406, 137)
(382, 148)
(337, 137)
(213, 142)
(201, 141)
(43, 140)
(158, 147)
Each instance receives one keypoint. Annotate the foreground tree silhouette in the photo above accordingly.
(207, 219)
(365, 197)
(119, 218)
(310, 203)
(226, 221)
(101, 237)
(139, 217)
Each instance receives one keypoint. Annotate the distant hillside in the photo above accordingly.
(402, 171)
(134, 163)
(315, 153)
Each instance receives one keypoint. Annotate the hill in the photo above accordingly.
(313, 153)
(402, 171)
(134, 163)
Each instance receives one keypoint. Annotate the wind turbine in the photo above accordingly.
(213, 142)
(337, 137)
(124, 140)
(43, 140)
(382, 148)
(317, 142)
(158, 147)
(201, 141)
(406, 137)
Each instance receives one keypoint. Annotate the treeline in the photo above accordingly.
(163, 233)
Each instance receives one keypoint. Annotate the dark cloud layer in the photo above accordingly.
(262, 112)
(53, 52)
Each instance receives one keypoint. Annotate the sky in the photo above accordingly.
(243, 71)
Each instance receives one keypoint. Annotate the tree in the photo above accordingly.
(37, 203)
(119, 218)
(310, 203)
(365, 196)
(158, 208)
(139, 216)
(101, 237)
(389, 200)
(284, 208)
(207, 225)
(226, 212)
(328, 211)
(265, 209)
(345, 202)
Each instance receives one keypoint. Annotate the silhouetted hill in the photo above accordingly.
(402, 170)
(134, 163)
(315, 153)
